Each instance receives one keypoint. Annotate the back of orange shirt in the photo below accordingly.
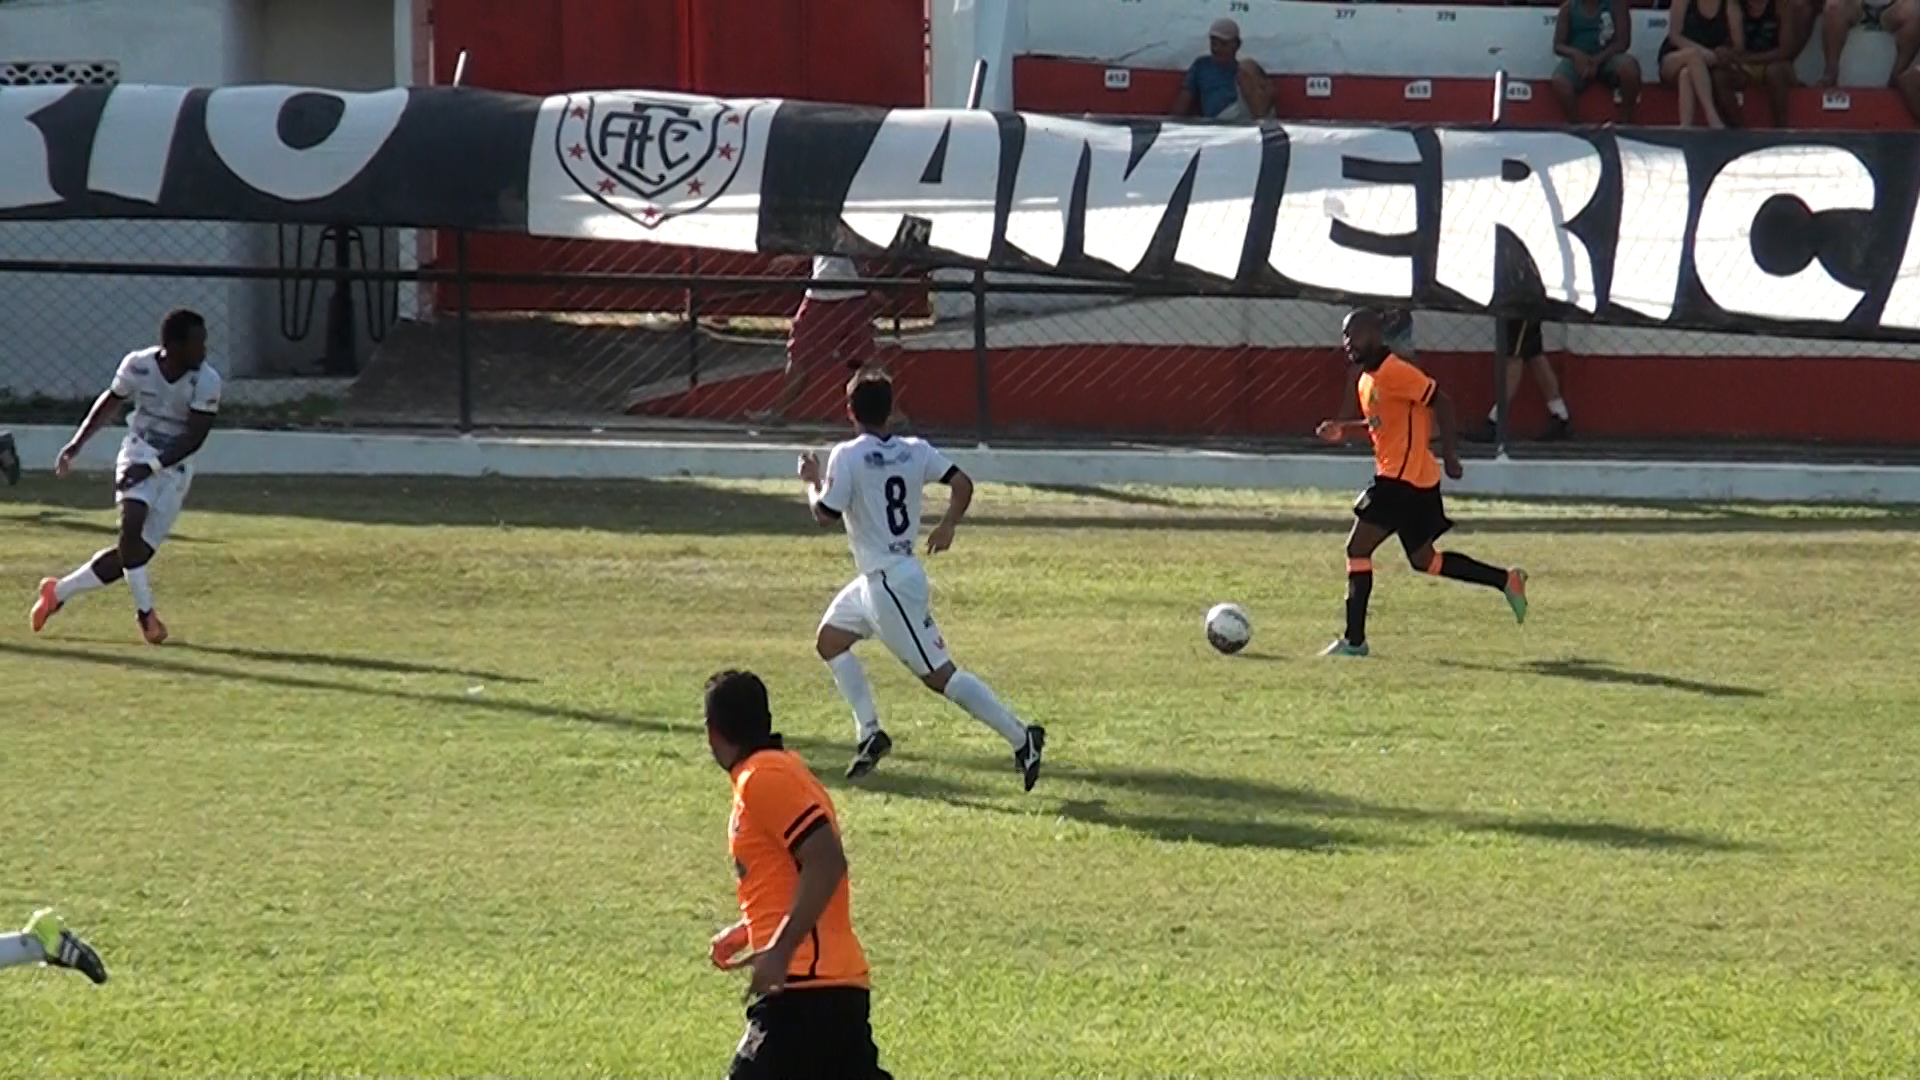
(1396, 398)
(777, 804)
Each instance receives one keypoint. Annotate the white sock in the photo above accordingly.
(851, 678)
(1493, 415)
(81, 580)
(1558, 407)
(142, 589)
(19, 949)
(968, 692)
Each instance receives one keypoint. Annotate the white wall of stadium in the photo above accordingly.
(81, 326)
(275, 453)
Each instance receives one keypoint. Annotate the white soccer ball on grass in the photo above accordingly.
(1228, 628)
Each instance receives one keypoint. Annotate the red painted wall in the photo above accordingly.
(1185, 392)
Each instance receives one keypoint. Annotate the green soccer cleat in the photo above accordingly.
(1516, 593)
(63, 948)
(1341, 648)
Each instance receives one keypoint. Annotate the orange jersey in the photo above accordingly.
(1396, 399)
(777, 804)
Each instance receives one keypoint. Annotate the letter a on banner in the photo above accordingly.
(942, 165)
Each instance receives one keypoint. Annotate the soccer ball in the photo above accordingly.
(1228, 628)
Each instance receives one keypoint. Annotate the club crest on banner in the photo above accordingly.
(651, 157)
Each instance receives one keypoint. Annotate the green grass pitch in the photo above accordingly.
(421, 788)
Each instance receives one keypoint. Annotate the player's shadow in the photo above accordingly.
(1236, 832)
(1604, 673)
(63, 521)
(347, 662)
(1259, 797)
(667, 507)
(159, 662)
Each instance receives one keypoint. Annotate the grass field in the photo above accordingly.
(422, 789)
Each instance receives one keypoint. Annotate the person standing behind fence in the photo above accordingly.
(1521, 347)
(832, 332)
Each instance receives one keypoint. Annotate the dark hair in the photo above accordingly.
(1368, 316)
(870, 396)
(178, 324)
(737, 708)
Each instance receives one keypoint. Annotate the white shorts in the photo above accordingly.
(893, 605)
(164, 493)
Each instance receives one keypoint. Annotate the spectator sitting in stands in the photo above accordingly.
(1592, 38)
(1222, 84)
(1700, 41)
(1896, 17)
(1775, 31)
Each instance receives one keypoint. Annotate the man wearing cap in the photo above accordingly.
(1223, 86)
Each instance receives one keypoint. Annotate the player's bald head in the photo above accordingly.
(1364, 318)
(1363, 335)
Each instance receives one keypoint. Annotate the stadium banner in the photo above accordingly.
(293, 155)
(1810, 233)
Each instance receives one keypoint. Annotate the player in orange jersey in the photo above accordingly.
(1401, 411)
(808, 995)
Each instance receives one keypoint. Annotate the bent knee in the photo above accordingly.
(937, 679)
(831, 641)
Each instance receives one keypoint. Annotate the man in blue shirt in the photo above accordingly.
(1221, 85)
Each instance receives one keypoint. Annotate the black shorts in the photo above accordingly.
(1417, 515)
(1520, 339)
(822, 1034)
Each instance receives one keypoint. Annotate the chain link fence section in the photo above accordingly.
(67, 332)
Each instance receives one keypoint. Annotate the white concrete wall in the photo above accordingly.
(66, 334)
(70, 331)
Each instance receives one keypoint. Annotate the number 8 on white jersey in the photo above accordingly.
(875, 483)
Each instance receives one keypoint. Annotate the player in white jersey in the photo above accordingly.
(175, 395)
(872, 483)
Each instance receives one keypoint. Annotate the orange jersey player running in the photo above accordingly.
(1401, 407)
(808, 997)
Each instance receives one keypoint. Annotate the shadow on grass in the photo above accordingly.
(1236, 832)
(162, 662)
(345, 662)
(674, 507)
(1258, 797)
(64, 521)
(1604, 673)
(628, 506)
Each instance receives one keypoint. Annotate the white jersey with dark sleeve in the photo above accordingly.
(161, 409)
(874, 484)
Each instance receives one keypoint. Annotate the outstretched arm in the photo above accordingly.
(106, 409)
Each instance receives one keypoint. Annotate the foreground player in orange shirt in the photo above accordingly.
(808, 998)
(1401, 406)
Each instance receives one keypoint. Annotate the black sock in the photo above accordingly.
(1359, 591)
(1465, 568)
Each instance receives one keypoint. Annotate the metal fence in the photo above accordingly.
(373, 328)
